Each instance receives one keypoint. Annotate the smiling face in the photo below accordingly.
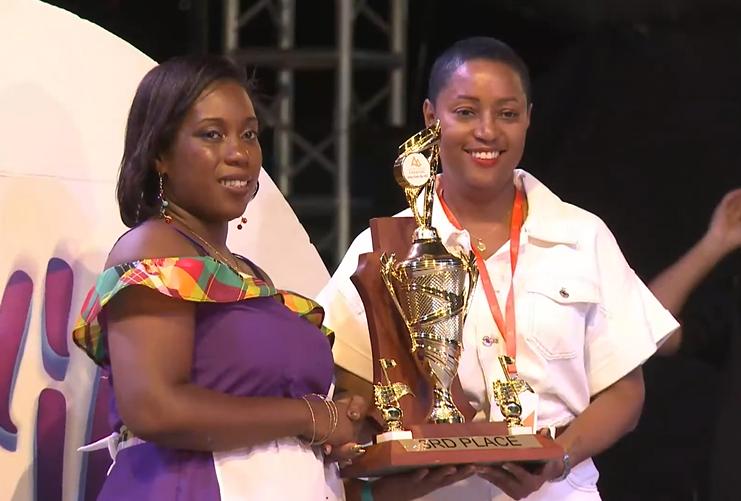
(484, 115)
(213, 164)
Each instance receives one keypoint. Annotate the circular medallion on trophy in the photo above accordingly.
(416, 170)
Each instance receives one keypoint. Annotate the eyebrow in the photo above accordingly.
(249, 120)
(499, 101)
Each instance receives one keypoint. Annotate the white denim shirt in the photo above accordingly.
(583, 321)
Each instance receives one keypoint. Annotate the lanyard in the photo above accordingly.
(506, 324)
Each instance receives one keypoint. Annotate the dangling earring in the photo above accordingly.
(243, 219)
(163, 203)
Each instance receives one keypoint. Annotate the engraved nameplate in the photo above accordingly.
(464, 443)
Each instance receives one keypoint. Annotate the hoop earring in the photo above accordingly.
(163, 202)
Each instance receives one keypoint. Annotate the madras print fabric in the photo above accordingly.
(199, 279)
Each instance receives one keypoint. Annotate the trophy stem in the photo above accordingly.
(443, 408)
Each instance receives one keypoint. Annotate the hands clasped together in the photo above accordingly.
(339, 426)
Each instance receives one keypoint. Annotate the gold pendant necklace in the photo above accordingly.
(480, 244)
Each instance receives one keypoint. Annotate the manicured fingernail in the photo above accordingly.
(354, 414)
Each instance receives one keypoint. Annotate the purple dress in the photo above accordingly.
(255, 347)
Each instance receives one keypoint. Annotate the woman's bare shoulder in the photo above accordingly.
(153, 238)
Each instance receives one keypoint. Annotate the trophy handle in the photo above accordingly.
(388, 271)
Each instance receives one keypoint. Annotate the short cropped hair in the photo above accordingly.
(486, 48)
(162, 100)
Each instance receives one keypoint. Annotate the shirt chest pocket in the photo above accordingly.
(556, 314)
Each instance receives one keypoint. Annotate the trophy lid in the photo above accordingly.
(424, 253)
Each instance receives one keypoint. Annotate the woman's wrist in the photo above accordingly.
(712, 247)
(562, 468)
(321, 419)
(309, 431)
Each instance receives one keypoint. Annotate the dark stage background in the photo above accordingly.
(637, 118)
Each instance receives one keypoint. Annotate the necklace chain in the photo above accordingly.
(232, 263)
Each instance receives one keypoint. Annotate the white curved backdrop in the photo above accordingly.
(65, 89)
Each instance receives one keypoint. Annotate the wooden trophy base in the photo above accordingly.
(436, 445)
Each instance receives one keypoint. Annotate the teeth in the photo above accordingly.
(233, 183)
(485, 155)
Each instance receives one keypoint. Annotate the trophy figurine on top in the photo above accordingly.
(416, 309)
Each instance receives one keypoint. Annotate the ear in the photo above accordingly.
(428, 112)
(160, 166)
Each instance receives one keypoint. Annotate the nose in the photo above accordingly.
(487, 129)
(237, 153)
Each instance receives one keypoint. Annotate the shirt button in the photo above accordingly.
(487, 340)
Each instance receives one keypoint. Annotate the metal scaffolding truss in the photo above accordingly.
(344, 58)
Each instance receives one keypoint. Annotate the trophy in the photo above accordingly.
(415, 309)
(431, 288)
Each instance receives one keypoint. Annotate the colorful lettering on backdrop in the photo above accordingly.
(65, 90)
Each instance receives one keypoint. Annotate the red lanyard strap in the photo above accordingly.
(506, 325)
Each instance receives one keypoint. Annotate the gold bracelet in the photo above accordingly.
(330, 429)
(335, 416)
(313, 420)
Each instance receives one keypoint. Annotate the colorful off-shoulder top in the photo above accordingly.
(200, 279)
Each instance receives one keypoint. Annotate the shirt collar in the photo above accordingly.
(547, 219)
